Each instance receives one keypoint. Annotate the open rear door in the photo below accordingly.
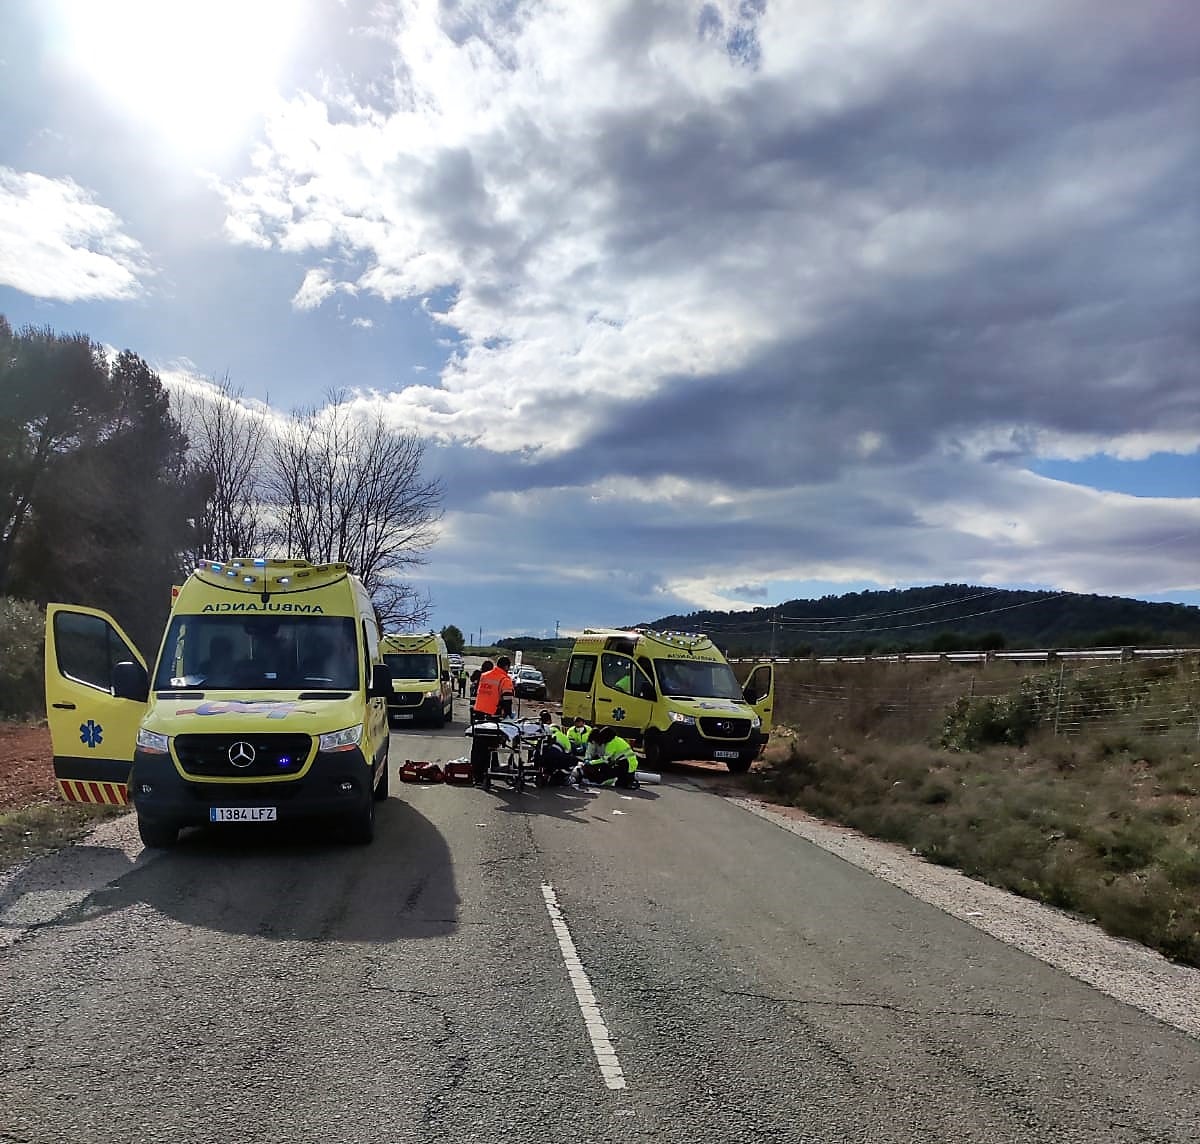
(759, 692)
(93, 732)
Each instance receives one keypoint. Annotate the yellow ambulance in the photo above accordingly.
(422, 690)
(268, 702)
(672, 693)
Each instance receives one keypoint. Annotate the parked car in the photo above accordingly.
(529, 683)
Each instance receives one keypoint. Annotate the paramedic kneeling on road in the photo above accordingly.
(611, 761)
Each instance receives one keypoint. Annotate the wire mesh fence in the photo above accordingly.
(912, 700)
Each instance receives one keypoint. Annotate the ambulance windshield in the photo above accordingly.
(697, 679)
(412, 665)
(259, 653)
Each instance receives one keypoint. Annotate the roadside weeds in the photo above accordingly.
(28, 832)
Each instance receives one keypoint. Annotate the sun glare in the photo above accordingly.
(198, 73)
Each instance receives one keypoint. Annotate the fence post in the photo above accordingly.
(1058, 696)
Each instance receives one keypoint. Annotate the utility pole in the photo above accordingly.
(556, 629)
(774, 624)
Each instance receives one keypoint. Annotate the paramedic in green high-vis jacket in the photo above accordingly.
(611, 760)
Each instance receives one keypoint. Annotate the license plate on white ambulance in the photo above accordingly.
(725, 754)
(241, 814)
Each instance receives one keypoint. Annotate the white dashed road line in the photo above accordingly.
(606, 1055)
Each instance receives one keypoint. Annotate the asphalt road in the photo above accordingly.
(739, 983)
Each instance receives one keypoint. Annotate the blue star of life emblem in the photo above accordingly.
(618, 713)
(91, 734)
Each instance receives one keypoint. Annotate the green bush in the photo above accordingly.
(22, 627)
(972, 724)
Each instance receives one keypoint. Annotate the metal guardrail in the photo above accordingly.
(1056, 655)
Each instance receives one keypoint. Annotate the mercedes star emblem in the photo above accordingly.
(241, 754)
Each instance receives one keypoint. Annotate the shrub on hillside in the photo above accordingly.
(21, 633)
(990, 721)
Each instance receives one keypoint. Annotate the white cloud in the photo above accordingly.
(318, 285)
(362, 323)
(768, 277)
(56, 242)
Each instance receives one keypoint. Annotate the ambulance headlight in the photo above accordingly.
(343, 740)
(680, 717)
(152, 742)
(755, 722)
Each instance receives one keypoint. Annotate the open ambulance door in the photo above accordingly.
(759, 692)
(92, 731)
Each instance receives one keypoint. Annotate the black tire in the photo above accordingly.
(158, 835)
(740, 766)
(652, 748)
(381, 787)
(360, 826)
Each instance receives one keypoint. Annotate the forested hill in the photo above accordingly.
(948, 617)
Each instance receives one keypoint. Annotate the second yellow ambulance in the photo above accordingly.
(422, 691)
(673, 693)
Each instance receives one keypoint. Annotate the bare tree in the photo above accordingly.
(227, 446)
(347, 486)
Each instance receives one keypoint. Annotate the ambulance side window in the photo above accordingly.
(617, 672)
(759, 685)
(580, 673)
(87, 648)
(370, 651)
(645, 679)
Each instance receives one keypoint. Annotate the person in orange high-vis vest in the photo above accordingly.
(494, 696)
(493, 700)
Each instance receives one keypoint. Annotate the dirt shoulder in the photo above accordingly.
(26, 765)
(33, 818)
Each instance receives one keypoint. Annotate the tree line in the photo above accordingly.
(112, 487)
(942, 618)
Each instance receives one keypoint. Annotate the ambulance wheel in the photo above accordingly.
(652, 748)
(360, 826)
(381, 788)
(158, 835)
(739, 766)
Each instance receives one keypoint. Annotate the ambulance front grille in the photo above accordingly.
(724, 728)
(242, 756)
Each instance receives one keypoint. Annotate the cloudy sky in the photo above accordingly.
(700, 303)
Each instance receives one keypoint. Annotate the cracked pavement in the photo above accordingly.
(275, 986)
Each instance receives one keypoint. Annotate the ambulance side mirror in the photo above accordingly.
(130, 681)
(381, 682)
(646, 690)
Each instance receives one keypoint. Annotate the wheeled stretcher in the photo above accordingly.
(514, 750)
